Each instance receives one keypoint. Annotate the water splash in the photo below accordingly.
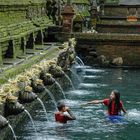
(59, 86)
(79, 92)
(133, 115)
(82, 67)
(31, 122)
(44, 109)
(94, 70)
(12, 130)
(80, 60)
(69, 80)
(52, 97)
(91, 77)
(75, 75)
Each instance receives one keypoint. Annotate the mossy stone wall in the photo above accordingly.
(18, 20)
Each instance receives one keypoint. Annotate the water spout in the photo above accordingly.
(52, 97)
(31, 122)
(59, 86)
(69, 80)
(75, 75)
(43, 106)
(80, 60)
(12, 130)
(76, 63)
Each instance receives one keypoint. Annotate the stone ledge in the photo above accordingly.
(14, 70)
(108, 36)
(117, 23)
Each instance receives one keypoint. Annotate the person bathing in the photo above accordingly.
(114, 104)
(64, 113)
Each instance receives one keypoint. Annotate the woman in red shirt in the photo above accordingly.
(114, 104)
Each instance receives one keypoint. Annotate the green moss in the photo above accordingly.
(42, 22)
(21, 2)
(10, 73)
(85, 13)
(79, 1)
(79, 18)
(112, 1)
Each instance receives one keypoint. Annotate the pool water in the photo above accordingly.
(91, 123)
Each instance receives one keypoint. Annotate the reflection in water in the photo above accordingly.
(91, 123)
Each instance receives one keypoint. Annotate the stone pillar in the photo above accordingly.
(23, 45)
(39, 38)
(93, 15)
(68, 14)
(14, 49)
(31, 42)
(11, 51)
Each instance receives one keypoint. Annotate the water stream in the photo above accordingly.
(52, 97)
(44, 109)
(79, 61)
(75, 75)
(12, 130)
(67, 77)
(31, 119)
(59, 86)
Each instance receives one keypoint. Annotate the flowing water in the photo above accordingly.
(75, 75)
(91, 123)
(79, 61)
(62, 91)
(33, 125)
(67, 77)
(52, 97)
(12, 130)
(44, 109)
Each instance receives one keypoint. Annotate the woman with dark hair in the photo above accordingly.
(114, 104)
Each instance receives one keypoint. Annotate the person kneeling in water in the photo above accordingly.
(64, 113)
(114, 104)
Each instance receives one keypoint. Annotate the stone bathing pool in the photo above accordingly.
(91, 123)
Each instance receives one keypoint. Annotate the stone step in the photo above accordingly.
(11, 61)
(52, 43)
(87, 37)
(42, 47)
(49, 43)
(27, 56)
(31, 51)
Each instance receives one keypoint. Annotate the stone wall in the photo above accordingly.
(91, 46)
(120, 10)
(118, 27)
(22, 25)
